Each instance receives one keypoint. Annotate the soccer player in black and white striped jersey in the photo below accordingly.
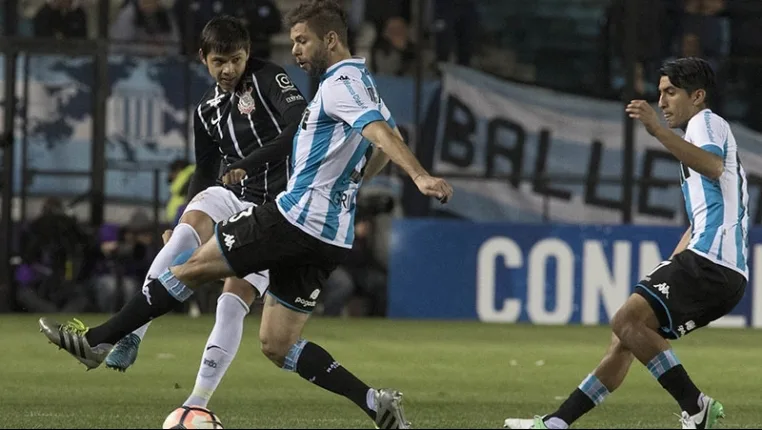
(244, 127)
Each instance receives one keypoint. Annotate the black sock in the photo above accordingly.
(317, 366)
(680, 386)
(574, 407)
(133, 315)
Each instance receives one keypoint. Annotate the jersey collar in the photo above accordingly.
(354, 60)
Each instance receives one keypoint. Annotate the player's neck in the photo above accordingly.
(338, 56)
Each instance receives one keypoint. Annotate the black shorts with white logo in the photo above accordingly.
(261, 238)
(689, 291)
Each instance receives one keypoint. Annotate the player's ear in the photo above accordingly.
(331, 39)
(201, 56)
(699, 97)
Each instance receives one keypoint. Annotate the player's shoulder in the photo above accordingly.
(708, 125)
(264, 68)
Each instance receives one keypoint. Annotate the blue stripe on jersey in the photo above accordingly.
(367, 118)
(716, 150)
(715, 213)
(321, 140)
(331, 226)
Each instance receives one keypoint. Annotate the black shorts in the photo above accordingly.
(689, 291)
(261, 238)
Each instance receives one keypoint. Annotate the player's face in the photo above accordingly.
(676, 104)
(309, 50)
(227, 69)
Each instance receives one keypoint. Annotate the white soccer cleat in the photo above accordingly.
(524, 423)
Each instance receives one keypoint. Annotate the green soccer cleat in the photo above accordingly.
(519, 423)
(71, 337)
(389, 412)
(124, 354)
(711, 412)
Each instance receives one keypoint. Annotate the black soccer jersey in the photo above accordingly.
(250, 128)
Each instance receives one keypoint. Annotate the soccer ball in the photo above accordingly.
(192, 417)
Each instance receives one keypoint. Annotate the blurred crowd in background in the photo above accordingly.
(570, 45)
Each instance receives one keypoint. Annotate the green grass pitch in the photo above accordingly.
(453, 375)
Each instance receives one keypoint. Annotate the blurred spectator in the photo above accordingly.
(61, 19)
(362, 273)
(128, 253)
(455, 26)
(57, 259)
(262, 17)
(650, 22)
(746, 49)
(393, 53)
(149, 25)
(180, 173)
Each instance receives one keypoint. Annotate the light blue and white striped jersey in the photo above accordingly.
(330, 154)
(718, 209)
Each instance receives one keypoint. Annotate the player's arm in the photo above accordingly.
(348, 100)
(706, 159)
(378, 160)
(207, 159)
(287, 104)
(684, 241)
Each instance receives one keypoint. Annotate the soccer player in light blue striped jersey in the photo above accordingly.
(346, 135)
(706, 275)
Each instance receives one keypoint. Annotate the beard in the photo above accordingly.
(319, 64)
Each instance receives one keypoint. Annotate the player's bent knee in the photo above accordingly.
(274, 350)
(201, 222)
(240, 288)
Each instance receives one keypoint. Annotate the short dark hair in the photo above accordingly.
(224, 34)
(322, 16)
(690, 74)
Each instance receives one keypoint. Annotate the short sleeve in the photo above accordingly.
(349, 100)
(708, 132)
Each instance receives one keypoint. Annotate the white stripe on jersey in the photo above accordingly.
(330, 153)
(718, 209)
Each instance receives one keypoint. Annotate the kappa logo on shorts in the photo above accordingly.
(663, 288)
(229, 240)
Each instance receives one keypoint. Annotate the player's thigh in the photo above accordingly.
(258, 238)
(719, 291)
(681, 297)
(209, 207)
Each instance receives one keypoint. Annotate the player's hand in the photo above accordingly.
(642, 111)
(434, 187)
(165, 237)
(234, 176)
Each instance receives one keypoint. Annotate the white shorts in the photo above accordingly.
(220, 204)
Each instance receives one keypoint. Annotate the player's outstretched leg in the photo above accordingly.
(194, 227)
(281, 343)
(157, 298)
(224, 340)
(637, 325)
(593, 390)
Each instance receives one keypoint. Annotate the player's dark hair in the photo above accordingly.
(690, 74)
(321, 16)
(225, 35)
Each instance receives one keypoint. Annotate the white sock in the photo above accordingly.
(370, 400)
(220, 349)
(556, 423)
(184, 237)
